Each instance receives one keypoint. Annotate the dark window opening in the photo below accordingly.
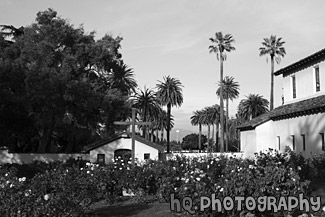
(101, 158)
(294, 95)
(303, 142)
(317, 79)
(146, 156)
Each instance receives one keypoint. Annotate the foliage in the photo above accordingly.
(169, 93)
(251, 107)
(191, 141)
(69, 189)
(58, 86)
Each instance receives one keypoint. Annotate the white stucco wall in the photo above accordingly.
(266, 135)
(305, 83)
(248, 143)
(311, 126)
(123, 143)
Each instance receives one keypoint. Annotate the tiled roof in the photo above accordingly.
(119, 136)
(305, 107)
(303, 63)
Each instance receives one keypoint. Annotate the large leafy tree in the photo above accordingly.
(272, 47)
(230, 92)
(253, 106)
(170, 94)
(220, 45)
(191, 142)
(54, 87)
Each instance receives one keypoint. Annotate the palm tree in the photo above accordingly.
(170, 94)
(148, 104)
(253, 106)
(122, 77)
(272, 46)
(221, 45)
(230, 92)
(213, 118)
(197, 120)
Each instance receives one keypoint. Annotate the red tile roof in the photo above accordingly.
(305, 107)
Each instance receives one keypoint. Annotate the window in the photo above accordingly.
(293, 80)
(303, 142)
(293, 143)
(323, 141)
(147, 156)
(317, 81)
(101, 158)
(279, 143)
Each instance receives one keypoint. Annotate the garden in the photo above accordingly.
(80, 188)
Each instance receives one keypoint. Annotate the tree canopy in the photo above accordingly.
(56, 86)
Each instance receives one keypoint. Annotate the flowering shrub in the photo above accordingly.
(69, 189)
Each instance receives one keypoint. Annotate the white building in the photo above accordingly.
(300, 122)
(105, 150)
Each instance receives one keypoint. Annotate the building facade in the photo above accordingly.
(300, 122)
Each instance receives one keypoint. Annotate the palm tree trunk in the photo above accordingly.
(221, 106)
(168, 126)
(217, 137)
(162, 135)
(157, 139)
(212, 137)
(272, 82)
(200, 133)
(209, 148)
(227, 123)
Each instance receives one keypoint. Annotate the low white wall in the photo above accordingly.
(24, 158)
(198, 155)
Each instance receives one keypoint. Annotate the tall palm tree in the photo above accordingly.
(230, 92)
(170, 94)
(148, 104)
(253, 106)
(197, 120)
(213, 118)
(122, 78)
(221, 45)
(273, 46)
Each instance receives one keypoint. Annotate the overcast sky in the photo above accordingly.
(171, 37)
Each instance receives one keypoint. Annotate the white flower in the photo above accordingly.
(299, 168)
(198, 179)
(6, 174)
(46, 197)
(208, 166)
(221, 190)
(81, 168)
(88, 164)
(88, 172)
(277, 189)
(185, 188)
(323, 208)
(120, 168)
(11, 185)
(22, 179)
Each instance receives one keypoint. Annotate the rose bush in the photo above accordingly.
(69, 189)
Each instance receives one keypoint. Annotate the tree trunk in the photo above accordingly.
(200, 133)
(209, 147)
(217, 137)
(168, 126)
(157, 139)
(227, 123)
(46, 139)
(221, 106)
(272, 82)
(212, 137)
